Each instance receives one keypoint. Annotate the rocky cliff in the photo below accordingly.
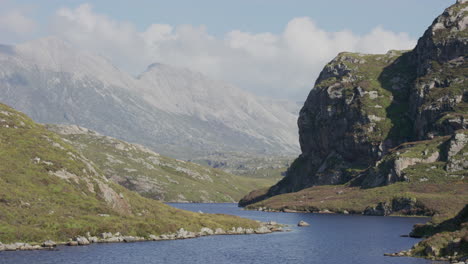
(373, 120)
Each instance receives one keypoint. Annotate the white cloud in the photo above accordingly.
(282, 65)
(15, 25)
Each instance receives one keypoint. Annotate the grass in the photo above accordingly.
(36, 205)
(159, 177)
(443, 199)
(448, 238)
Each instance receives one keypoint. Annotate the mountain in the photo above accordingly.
(173, 111)
(49, 190)
(155, 176)
(376, 129)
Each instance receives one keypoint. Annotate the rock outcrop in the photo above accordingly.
(445, 241)
(372, 118)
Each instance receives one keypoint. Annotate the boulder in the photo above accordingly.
(164, 237)
(113, 239)
(240, 230)
(49, 244)
(128, 239)
(106, 235)
(382, 209)
(219, 231)
(262, 230)
(93, 239)
(432, 251)
(11, 247)
(82, 241)
(303, 223)
(72, 243)
(153, 237)
(206, 231)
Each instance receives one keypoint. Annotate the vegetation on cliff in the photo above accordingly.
(377, 120)
(386, 135)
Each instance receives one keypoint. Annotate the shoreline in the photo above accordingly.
(104, 238)
(326, 211)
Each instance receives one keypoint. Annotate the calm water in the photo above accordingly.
(330, 239)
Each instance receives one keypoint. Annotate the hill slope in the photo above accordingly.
(173, 111)
(155, 176)
(48, 190)
(395, 121)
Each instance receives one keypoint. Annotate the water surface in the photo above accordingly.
(329, 239)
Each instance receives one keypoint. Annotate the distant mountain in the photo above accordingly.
(174, 111)
(153, 175)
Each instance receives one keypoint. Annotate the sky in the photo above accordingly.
(273, 48)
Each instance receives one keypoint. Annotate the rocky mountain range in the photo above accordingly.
(176, 112)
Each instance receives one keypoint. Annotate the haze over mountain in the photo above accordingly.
(175, 111)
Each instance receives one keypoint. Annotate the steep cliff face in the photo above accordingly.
(439, 95)
(363, 107)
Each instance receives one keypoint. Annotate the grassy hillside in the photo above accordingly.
(155, 176)
(244, 164)
(48, 190)
(434, 181)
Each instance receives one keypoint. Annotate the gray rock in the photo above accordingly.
(128, 239)
(11, 247)
(303, 223)
(72, 243)
(106, 235)
(432, 251)
(82, 241)
(262, 230)
(154, 237)
(220, 231)
(240, 230)
(206, 231)
(49, 244)
(93, 239)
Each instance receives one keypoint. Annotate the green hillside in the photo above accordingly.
(156, 176)
(49, 190)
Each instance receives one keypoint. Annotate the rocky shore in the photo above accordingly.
(108, 237)
(398, 206)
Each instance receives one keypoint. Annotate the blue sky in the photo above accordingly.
(412, 16)
(270, 47)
